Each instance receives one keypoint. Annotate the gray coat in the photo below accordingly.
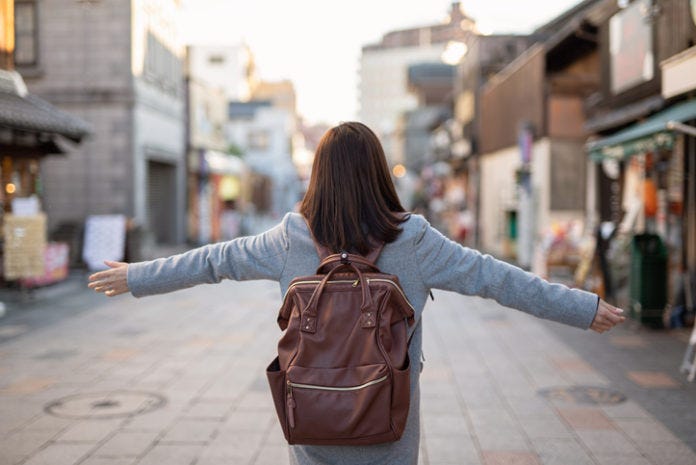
(421, 257)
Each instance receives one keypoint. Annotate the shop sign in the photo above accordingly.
(631, 46)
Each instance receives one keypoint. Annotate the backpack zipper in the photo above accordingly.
(355, 284)
(333, 388)
(292, 405)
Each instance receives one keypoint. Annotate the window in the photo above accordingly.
(26, 34)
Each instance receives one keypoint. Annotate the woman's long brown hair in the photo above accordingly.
(351, 201)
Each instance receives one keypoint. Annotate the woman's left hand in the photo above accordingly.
(607, 317)
(111, 282)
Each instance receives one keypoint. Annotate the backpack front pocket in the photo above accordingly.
(337, 403)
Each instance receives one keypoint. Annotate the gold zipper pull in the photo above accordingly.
(356, 282)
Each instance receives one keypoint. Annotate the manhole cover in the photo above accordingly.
(112, 404)
(590, 395)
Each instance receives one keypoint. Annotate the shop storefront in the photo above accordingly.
(647, 235)
(30, 129)
(215, 197)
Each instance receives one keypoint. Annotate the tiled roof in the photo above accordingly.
(22, 111)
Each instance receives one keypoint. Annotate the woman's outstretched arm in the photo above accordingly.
(445, 264)
(253, 257)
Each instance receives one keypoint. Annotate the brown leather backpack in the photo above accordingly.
(342, 372)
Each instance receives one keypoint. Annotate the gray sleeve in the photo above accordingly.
(254, 257)
(445, 264)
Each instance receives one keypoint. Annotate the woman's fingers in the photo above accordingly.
(111, 282)
(607, 317)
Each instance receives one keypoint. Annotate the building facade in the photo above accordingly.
(227, 67)
(531, 163)
(383, 77)
(117, 64)
(30, 130)
(643, 121)
(263, 133)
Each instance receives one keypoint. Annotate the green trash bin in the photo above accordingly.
(648, 284)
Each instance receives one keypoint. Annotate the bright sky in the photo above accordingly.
(317, 43)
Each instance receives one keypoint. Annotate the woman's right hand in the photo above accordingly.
(111, 282)
(607, 317)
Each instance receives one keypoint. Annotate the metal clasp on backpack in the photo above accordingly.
(344, 258)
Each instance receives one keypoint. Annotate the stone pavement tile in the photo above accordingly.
(667, 452)
(217, 455)
(156, 420)
(460, 450)
(481, 398)
(275, 434)
(622, 460)
(510, 458)
(444, 424)
(544, 427)
(254, 400)
(16, 415)
(591, 378)
(572, 364)
(207, 410)
(171, 454)
(645, 429)
(652, 379)
(90, 430)
(249, 421)
(626, 409)
(586, 418)
(497, 439)
(561, 451)
(191, 431)
(238, 440)
(22, 444)
(607, 442)
(439, 404)
(628, 341)
(50, 423)
(499, 418)
(120, 354)
(27, 385)
(109, 461)
(530, 406)
(60, 454)
(437, 388)
(544, 381)
(127, 444)
(273, 455)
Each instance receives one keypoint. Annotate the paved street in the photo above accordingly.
(179, 379)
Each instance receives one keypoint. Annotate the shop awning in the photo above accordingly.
(652, 134)
(22, 111)
(222, 163)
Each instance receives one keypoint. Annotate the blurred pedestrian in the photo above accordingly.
(351, 203)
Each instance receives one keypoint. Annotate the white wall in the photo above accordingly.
(383, 92)
(499, 194)
(229, 74)
(275, 160)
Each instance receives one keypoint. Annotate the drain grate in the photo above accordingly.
(113, 404)
(588, 395)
